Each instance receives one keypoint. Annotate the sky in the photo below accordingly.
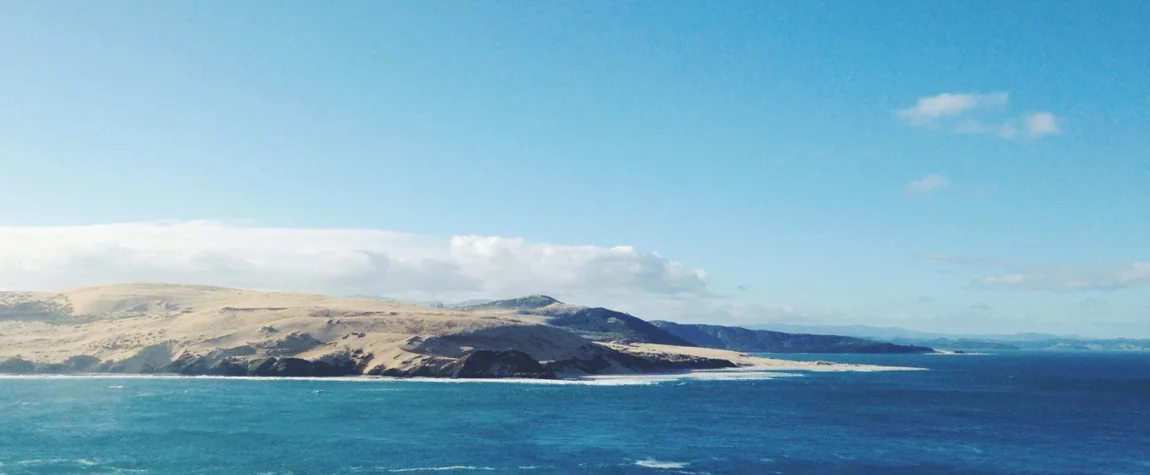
(966, 167)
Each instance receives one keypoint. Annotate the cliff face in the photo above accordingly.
(764, 341)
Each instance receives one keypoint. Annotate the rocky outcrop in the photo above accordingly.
(190, 365)
(500, 364)
(620, 362)
(150, 359)
(17, 365)
(75, 364)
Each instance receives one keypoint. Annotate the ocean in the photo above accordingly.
(1011, 413)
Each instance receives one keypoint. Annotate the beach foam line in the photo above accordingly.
(596, 380)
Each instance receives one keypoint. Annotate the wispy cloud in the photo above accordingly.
(1063, 278)
(1039, 124)
(927, 183)
(1002, 274)
(966, 113)
(947, 104)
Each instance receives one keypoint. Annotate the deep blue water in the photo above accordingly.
(1015, 413)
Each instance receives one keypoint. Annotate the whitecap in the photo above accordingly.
(440, 469)
(652, 463)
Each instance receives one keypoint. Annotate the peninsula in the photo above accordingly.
(201, 330)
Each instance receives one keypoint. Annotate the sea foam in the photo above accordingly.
(652, 463)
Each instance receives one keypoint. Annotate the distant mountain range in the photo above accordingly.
(766, 341)
(602, 324)
(887, 333)
(969, 342)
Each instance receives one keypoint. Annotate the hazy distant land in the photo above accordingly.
(969, 342)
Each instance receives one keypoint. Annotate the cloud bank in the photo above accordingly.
(342, 261)
(966, 113)
(363, 262)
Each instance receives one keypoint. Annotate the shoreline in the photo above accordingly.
(742, 373)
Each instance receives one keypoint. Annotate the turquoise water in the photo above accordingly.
(995, 414)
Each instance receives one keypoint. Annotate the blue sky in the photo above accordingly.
(975, 167)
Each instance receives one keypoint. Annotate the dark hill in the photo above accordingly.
(765, 341)
(598, 324)
(529, 302)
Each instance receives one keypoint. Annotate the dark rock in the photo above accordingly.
(81, 363)
(618, 361)
(17, 365)
(208, 365)
(228, 367)
(283, 367)
(287, 367)
(501, 364)
(261, 368)
(344, 363)
(52, 368)
(595, 365)
(187, 365)
(291, 367)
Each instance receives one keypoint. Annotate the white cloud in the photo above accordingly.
(927, 183)
(964, 113)
(348, 261)
(329, 260)
(951, 104)
(1039, 124)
